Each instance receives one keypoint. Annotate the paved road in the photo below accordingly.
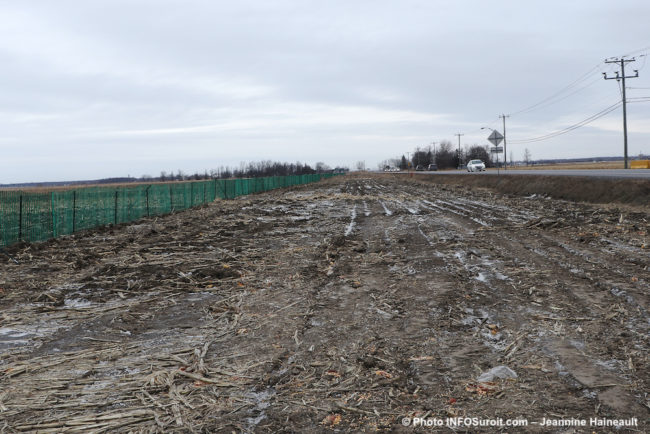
(596, 173)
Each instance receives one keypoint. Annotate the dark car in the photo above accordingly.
(419, 168)
(432, 167)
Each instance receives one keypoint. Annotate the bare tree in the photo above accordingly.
(527, 156)
(322, 167)
(361, 165)
(403, 163)
(477, 152)
(421, 158)
(446, 155)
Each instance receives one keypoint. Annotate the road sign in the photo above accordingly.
(496, 137)
(497, 150)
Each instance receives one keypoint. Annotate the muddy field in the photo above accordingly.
(346, 305)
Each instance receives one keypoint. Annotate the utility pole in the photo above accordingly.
(433, 156)
(505, 147)
(459, 162)
(622, 61)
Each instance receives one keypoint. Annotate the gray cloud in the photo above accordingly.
(93, 89)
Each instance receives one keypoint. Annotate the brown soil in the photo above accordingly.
(571, 166)
(344, 305)
(575, 188)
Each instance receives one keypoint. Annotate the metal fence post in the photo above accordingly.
(74, 210)
(53, 214)
(147, 192)
(20, 219)
(116, 206)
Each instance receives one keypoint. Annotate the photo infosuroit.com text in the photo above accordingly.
(498, 422)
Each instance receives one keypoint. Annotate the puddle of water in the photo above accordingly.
(386, 210)
(383, 313)
(265, 219)
(366, 211)
(14, 338)
(485, 269)
(426, 237)
(353, 215)
(261, 400)
(12, 333)
(561, 370)
(470, 320)
(611, 365)
(76, 303)
(24, 334)
(620, 293)
(577, 344)
(589, 394)
(199, 296)
(625, 247)
(98, 385)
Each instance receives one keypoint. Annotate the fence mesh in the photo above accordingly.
(32, 216)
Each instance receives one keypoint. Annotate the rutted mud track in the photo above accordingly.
(342, 305)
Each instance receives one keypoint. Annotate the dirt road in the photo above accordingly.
(346, 305)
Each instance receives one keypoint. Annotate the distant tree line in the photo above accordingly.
(445, 156)
(250, 170)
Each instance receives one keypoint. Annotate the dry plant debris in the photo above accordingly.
(343, 305)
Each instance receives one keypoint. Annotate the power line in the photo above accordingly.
(549, 100)
(645, 58)
(642, 50)
(549, 103)
(574, 83)
(570, 128)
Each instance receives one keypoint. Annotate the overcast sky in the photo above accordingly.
(94, 88)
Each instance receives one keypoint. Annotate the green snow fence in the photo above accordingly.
(26, 216)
